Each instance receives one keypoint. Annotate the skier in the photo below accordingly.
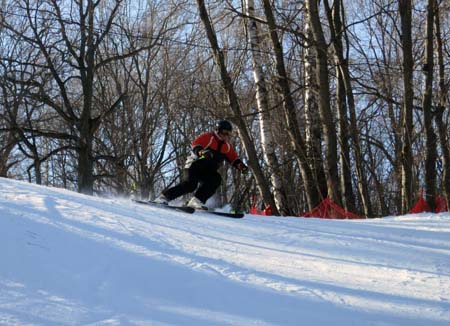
(209, 150)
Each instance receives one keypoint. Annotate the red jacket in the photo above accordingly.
(222, 150)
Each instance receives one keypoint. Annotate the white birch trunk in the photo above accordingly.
(312, 119)
(265, 121)
(313, 133)
(227, 84)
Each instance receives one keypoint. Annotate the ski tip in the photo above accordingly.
(232, 215)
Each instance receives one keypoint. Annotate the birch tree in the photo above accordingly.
(262, 99)
(298, 143)
(313, 132)
(326, 115)
(227, 85)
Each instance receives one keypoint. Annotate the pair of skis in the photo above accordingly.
(189, 210)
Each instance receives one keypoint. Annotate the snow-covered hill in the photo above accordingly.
(69, 259)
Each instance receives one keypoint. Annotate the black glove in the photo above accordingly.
(206, 154)
(243, 168)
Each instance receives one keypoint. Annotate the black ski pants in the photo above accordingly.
(201, 172)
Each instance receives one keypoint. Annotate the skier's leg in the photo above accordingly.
(187, 185)
(208, 185)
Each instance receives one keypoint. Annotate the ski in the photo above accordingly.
(184, 209)
(187, 209)
(232, 215)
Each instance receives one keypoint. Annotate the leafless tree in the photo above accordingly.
(327, 117)
(442, 104)
(405, 10)
(427, 106)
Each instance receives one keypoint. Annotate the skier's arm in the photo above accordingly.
(236, 162)
(200, 143)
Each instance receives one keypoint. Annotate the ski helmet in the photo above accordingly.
(223, 125)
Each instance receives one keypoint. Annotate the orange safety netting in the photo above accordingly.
(328, 209)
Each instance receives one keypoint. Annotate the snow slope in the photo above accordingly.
(69, 259)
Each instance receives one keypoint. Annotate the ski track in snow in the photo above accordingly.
(77, 260)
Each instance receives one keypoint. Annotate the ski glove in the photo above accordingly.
(243, 168)
(206, 154)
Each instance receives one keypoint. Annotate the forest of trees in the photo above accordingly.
(329, 98)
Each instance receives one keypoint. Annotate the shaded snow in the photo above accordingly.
(70, 259)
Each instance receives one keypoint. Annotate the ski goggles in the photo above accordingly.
(226, 132)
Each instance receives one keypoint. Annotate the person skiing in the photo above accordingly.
(209, 151)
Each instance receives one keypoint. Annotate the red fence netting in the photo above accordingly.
(328, 209)
(422, 206)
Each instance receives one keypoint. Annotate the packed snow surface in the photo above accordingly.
(70, 259)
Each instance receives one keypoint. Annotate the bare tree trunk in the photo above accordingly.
(405, 9)
(313, 132)
(326, 115)
(86, 126)
(265, 120)
(430, 136)
(348, 197)
(8, 140)
(235, 108)
(8, 145)
(343, 73)
(296, 138)
(443, 90)
(66, 59)
(379, 186)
